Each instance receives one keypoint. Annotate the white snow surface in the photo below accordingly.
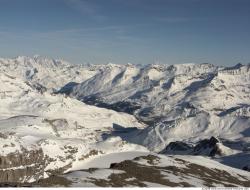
(104, 161)
(57, 124)
(51, 73)
(85, 178)
(185, 102)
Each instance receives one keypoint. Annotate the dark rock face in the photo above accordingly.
(178, 146)
(113, 165)
(122, 106)
(38, 87)
(154, 173)
(208, 147)
(208, 144)
(20, 167)
(246, 168)
(67, 89)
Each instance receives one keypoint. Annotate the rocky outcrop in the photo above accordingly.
(247, 168)
(208, 147)
(24, 166)
(178, 146)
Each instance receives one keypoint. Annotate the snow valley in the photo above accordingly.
(123, 125)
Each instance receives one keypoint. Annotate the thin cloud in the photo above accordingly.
(178, 19)
(75, 38)
(172, 19)
(86, 7)
(86, 31)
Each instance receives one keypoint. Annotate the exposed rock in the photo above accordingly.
(207, 146)
(134, 173)
(247, 168)
(22, 166)
(177, 146)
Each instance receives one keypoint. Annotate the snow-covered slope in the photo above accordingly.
(161, 107)
(186, 102)
(178, 101)
(176, 90)
(155, 171)
(50, 73)
(59, 130)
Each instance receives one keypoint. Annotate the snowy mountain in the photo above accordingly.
(155, 90)
(50, 73)
(188, 102)
(52, 132)
(57, 118)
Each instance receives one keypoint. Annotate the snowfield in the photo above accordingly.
(66, 130)
(186, 102)
(157, 171)
(87, 125)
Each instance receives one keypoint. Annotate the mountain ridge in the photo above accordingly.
(155, 109)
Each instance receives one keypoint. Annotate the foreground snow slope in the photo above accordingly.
(153, 170)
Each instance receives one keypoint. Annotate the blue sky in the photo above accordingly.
(121, 31)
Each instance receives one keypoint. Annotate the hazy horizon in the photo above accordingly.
(117, 63)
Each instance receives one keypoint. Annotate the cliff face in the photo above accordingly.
(25, 166)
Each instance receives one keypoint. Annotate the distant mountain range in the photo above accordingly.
(57, 117)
